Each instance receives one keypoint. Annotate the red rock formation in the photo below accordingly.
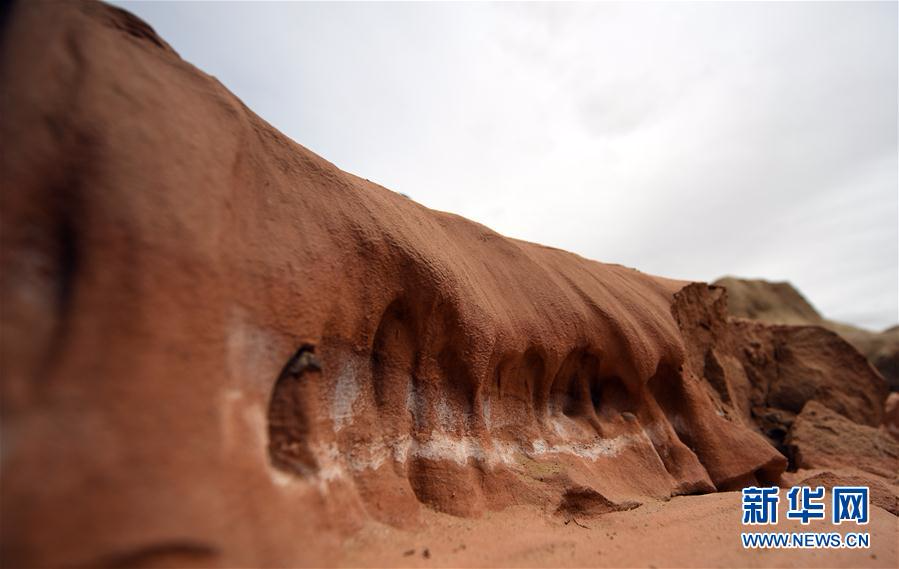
(891, 415)
(883, 494)
(218, 347)
(780, 303)
(765, 375)
(821, 438)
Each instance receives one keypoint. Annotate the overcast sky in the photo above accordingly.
(686, 140)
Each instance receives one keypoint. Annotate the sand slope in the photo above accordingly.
(690, 531)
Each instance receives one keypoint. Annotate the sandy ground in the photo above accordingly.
(692, 531)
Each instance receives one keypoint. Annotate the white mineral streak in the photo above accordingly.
(657, 433)
(590, 451)
(679, 424)
(346, 390)
(445, 415)
(459, 450)
(335, 465)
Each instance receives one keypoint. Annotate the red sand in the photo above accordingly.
(688, 531)
(219, 349)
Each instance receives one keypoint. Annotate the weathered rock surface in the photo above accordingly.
(891, 415)
(772, 302)
(764, 375)
(822, 438)
(218, 348)
(883, 493)
(781, 303)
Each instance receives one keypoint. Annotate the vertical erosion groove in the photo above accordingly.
(667, 388)
(514, 393)
(714, 374)
(611, 397)
(290, 422)
(393, 361)
(571, 393)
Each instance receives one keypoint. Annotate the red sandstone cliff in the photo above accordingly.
(216, 345)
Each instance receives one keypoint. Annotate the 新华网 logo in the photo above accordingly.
(806, 504)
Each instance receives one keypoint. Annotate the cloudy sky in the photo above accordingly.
(686, 140)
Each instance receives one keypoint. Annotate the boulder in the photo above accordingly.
(781, 303)
(822, 438)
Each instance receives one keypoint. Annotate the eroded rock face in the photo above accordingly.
(891, 415)
(763, 375)
(883, 493)
(822, 438)
(219, 348)
(781, 303)
(772, 302)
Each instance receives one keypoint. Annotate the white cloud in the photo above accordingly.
(688, 140)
